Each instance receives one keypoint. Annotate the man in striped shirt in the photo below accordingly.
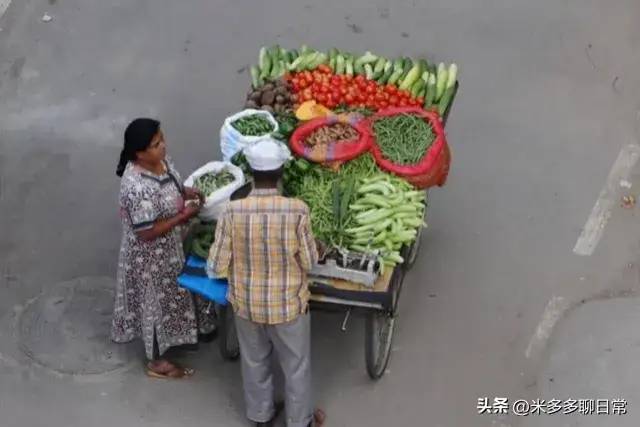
(264, 246)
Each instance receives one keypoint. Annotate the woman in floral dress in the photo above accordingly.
(149, 303)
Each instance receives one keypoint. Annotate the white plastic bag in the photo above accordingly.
(216, 202)
(232, 141)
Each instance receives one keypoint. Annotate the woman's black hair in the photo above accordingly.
(137, 138)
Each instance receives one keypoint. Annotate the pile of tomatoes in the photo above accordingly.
(331, 90)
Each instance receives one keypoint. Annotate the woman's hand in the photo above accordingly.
(190, 210)
(193, 194)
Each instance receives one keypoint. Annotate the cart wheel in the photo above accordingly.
(227, 336)
(379, 329)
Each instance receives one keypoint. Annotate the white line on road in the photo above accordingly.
(594, 227)
(550, 317)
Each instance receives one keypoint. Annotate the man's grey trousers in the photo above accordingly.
(292, 345)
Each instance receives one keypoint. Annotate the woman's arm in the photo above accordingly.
(164, 226)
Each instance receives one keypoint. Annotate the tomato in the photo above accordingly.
(359, 78)
(420, 100)
(324, 88)
(343, 90)
(324, 69)
(379, 96)
(307, 93)
(403, 103)
(362, 97)
(370, 89)
(321, 98)
(348, 77)
(383, 104)
(391, 88)
(349, 98)
(393, 100)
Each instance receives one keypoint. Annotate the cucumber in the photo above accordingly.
(332, 64)
(340, 65)
(319, 59)
(452, 75)
(416, 89)
(431, 91)
(296, 64)
(306, 60)
(367, 58)
(379, 66)
(349, 66)
(446, 99)
(283, 54)
(333, 53)
(411, 77)
(255, 77)
(289, 58)
(264, 62)
(407, 66)
(368, 71)
(441, 83)
(387, 73)
(304, 49)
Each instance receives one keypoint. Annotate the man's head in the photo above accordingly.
(266, 159)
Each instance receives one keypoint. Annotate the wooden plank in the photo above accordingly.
(381, 285)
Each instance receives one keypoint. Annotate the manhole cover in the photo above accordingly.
(67, 329)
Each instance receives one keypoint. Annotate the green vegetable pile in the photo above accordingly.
(404, 139)
(253, 125)
(211, 181)
(388, 213)
(287, 123)
(201, 239)
(328, 193)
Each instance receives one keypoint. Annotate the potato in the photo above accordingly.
(251, 104)
(267, 97)
(256, 95)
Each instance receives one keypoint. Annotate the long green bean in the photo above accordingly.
(404, 139)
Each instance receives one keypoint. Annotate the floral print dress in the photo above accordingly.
(149, 303)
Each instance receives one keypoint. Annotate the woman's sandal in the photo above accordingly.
(171, 372)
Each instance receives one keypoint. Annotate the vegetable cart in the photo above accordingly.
(366, 231)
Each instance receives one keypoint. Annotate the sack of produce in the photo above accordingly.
(243, 129)
(410, 142)
(217, 181)
(335, 138)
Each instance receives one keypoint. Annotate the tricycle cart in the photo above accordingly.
(378, 304)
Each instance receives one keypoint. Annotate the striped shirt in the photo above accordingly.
(264, 246)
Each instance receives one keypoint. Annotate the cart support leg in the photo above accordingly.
(346, 319)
